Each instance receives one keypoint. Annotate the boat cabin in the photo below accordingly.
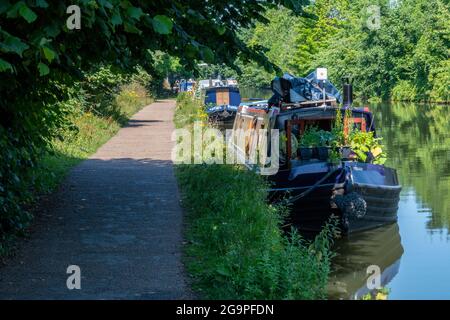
(219, 96)
(292, 123)
(363, 194)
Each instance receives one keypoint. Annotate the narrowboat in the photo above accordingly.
(221, 105)
(327, 180)
(186, 85)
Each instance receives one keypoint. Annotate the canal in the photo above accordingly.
(412, 255)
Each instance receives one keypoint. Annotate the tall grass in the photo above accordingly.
(236, 249)
(38, 152)
(88, 132)
(188, 110)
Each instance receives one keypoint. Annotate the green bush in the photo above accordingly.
(45, 132)
(187, 111)
(236, 247)
(404, 91)
(440, 82)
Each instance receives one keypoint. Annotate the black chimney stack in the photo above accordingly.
(347, 91)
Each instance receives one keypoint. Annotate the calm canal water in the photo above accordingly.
(413, 254)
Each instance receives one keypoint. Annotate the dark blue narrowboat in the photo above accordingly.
(222, 104)
(364, 194)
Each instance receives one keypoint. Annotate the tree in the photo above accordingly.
(42, 59)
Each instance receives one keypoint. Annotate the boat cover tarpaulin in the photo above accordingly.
(330, 89)
(289, 88)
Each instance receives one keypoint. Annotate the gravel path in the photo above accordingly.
(116, 216)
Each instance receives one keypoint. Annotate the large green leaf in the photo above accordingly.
(12, 44)
(116, 18)
(49, 54)
(162, 24)
(43, 69)
(5, 66)
(27, 13)
(135, 12)
(221, 30)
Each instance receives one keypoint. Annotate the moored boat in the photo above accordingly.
(318, 181)
(222, 104)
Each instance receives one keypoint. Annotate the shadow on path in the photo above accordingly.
(117, 218)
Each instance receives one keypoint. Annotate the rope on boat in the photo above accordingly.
(351, 205)
(309, 190)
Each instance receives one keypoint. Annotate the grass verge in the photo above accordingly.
(91, 132)
(236, 249)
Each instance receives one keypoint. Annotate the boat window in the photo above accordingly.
(296, 127)
(359, 123)
(222, 97)
(246, 131)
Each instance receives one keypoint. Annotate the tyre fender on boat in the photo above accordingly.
(351, 204)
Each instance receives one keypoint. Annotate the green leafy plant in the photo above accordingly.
(367, 147)
(337, 130)
(326, 138)
(377, 294)
(236, 248)
(334, 156)
(310, 137)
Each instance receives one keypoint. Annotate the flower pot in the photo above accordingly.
(306, 153)
(322, 153)
(345, 152)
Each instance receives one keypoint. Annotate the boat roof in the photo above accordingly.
(312, 113)
(222, 88)
(256, 106)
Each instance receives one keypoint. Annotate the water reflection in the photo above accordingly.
(418, 145)
(381, 247)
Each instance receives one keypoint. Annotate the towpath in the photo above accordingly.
(116, 216)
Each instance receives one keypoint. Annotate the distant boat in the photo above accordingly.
(209, 83)
(222, 104)
(186, 86)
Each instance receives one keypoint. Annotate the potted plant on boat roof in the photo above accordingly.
(367, 147)
(326, 139)
(308, 141)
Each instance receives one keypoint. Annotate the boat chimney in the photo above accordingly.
(347, 91)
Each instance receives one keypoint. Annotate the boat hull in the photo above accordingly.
(358, 205)
(222, 117)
